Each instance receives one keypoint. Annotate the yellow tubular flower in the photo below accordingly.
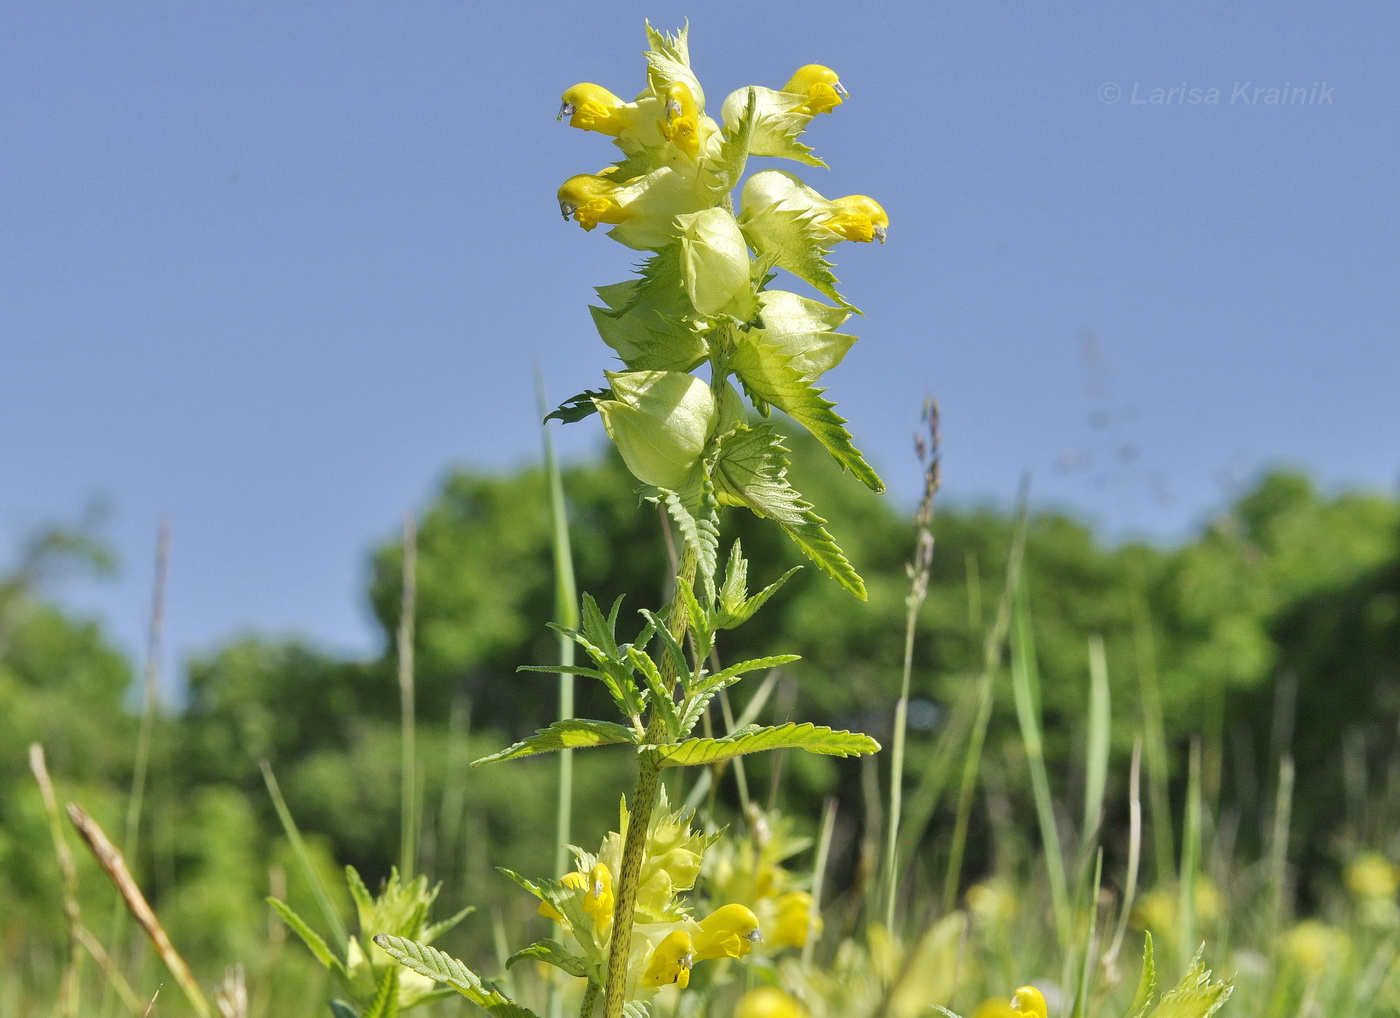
(727, 932)
(682, 123)
(820, 85)
(795, 920)
(591, 200)
(856, 217)
(1028, 1002)
(671, 961)
(593, 108)
(574, 879)
(598, 900)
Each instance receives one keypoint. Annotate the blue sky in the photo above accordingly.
(269, 270)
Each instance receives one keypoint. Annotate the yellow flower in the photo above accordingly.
(591, 199)
(795, 920)
(820, 85)
(598, 899)
(1028, 1002)
(682, 123)
(593, 108)
(1372, 877)
(768, 1002)
(671, 961)
(1313, 946)
(727, 932)
(856, 217)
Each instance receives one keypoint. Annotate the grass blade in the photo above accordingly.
(303, 857)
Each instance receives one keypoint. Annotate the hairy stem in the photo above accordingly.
(639, 818)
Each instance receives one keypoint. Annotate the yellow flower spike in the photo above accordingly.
(1028, 1002)
(574, 879)
(598, 900)
(820, 85)
(856, 217)
(591, 199)
(727, 932)
(671, 961)
(593, 108)
(768, 1002)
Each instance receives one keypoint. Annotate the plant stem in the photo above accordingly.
(639, 817)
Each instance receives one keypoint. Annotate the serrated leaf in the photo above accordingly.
(751, 469)
(738, 119)
(1147, 982)
(572, 733)
(768, 371)
(649, 330)
(743, 667)
(777, 123)
(1196, 996)
(386, 996)
(695, 511)
(755, 739)
(554, 953)
(668, 59)
(309, 937)
(660, 696)
(434, 964)
(793, 239)
(576, 408)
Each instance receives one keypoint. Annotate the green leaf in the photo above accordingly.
(793, 239)
(340, 1009)
(1196, 996)
(554, 953)
(572, 733)
(738, 119)
(668, 59)
(386, 996)
(743, 667)
(661, 697)
(754, 739)
(777, 123)
(309, 937)
(434, 964)
(576, 408)
(751, 469)
(769, 371)
(696, 513)
(649, 329)
(1147, 983)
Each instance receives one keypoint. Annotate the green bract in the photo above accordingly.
(701, 297)
(660, 421)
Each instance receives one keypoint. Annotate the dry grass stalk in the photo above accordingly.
(111, 860)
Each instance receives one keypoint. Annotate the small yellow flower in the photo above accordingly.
(1028, 1002)
(1372, 877)
(682, 123)
(593, 108)
(856, 217)
(598, 899)
(1314, 946)
(795, 920)
(768, 1002)
(820, 85)
(671, 961)
(591, 199)
(727, 932)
